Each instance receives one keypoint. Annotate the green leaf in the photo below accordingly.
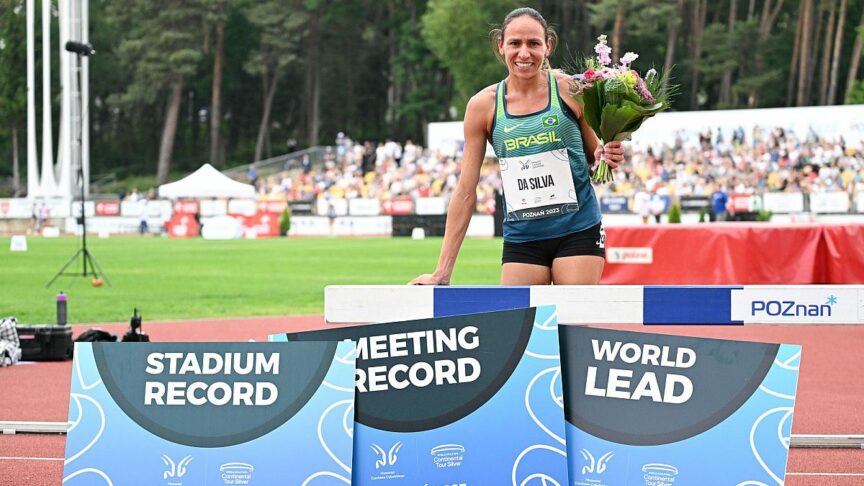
(614, 118)
(591, 98)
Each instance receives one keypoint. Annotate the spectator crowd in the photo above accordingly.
(744, 163)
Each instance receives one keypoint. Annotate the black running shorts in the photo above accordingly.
(543, 252)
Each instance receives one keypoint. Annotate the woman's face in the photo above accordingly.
(524, 47)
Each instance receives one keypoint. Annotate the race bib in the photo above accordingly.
(537, 186)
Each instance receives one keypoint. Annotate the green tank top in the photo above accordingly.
(547, 191)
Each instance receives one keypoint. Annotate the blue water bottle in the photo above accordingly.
(61, 309)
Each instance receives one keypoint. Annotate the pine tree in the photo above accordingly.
(163, 47)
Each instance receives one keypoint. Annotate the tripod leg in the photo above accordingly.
(94, 265)
(71, 260)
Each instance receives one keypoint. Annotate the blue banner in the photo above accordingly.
(657, 410)
(461, 400)
(174, 414)
(614, 204)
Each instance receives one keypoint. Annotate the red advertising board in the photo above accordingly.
(398, 206)
(183, 225)
(264, 223)
(741, 203)
(271, 206)
(187, 207)
(108, 208)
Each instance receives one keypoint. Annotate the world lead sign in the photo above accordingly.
(658, 410)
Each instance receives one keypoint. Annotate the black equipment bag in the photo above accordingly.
(45, 342)
(94, 334)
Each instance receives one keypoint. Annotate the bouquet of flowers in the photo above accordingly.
(616, 99)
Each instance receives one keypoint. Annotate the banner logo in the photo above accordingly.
(175, 470)
(598, 466)
(659, 474)
(386, 458)
(448, 455)
(812, 304)
(624, 254)
(236, 472)
(792, 308)
(384, 462)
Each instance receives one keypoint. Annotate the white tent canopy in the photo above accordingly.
(206, 182)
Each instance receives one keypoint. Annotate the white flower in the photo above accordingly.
(629, 58)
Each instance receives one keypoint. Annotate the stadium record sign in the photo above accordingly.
(658, 410)
(174, 414)
(469, 399)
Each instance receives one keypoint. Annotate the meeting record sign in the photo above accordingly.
(208, 413)
(469, 399)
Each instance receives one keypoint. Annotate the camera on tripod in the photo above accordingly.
(135, 334)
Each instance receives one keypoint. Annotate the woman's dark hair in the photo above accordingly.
(497, 35)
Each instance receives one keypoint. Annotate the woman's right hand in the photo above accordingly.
(429, 279)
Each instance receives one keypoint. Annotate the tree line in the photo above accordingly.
(179, 82)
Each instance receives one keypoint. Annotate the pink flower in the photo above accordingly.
(603, 51)
(642, 89)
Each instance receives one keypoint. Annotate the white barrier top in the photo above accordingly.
(605, 304)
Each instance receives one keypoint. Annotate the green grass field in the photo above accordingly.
(193, 278)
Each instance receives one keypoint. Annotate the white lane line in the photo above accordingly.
(788, 473)
(31, 458)
(823, 474)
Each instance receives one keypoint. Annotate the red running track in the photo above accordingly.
(829, 392)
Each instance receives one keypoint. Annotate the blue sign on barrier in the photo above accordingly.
(688, 305)
(469, 399)
(451, 301)
(174, 414)
(657, 410)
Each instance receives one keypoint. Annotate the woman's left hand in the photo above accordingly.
(613, 153)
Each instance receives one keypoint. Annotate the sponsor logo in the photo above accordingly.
(236, 472)
(388, 458)
(536, 139)
(448, 455)
(598, 466)
(384, 461)
(550, 121)
(511, 128)
(792, 308)
(175, 469)
(624, 254)
(525, 164)
(593, 467)
(657, 474)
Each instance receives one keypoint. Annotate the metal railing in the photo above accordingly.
(274, 165)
